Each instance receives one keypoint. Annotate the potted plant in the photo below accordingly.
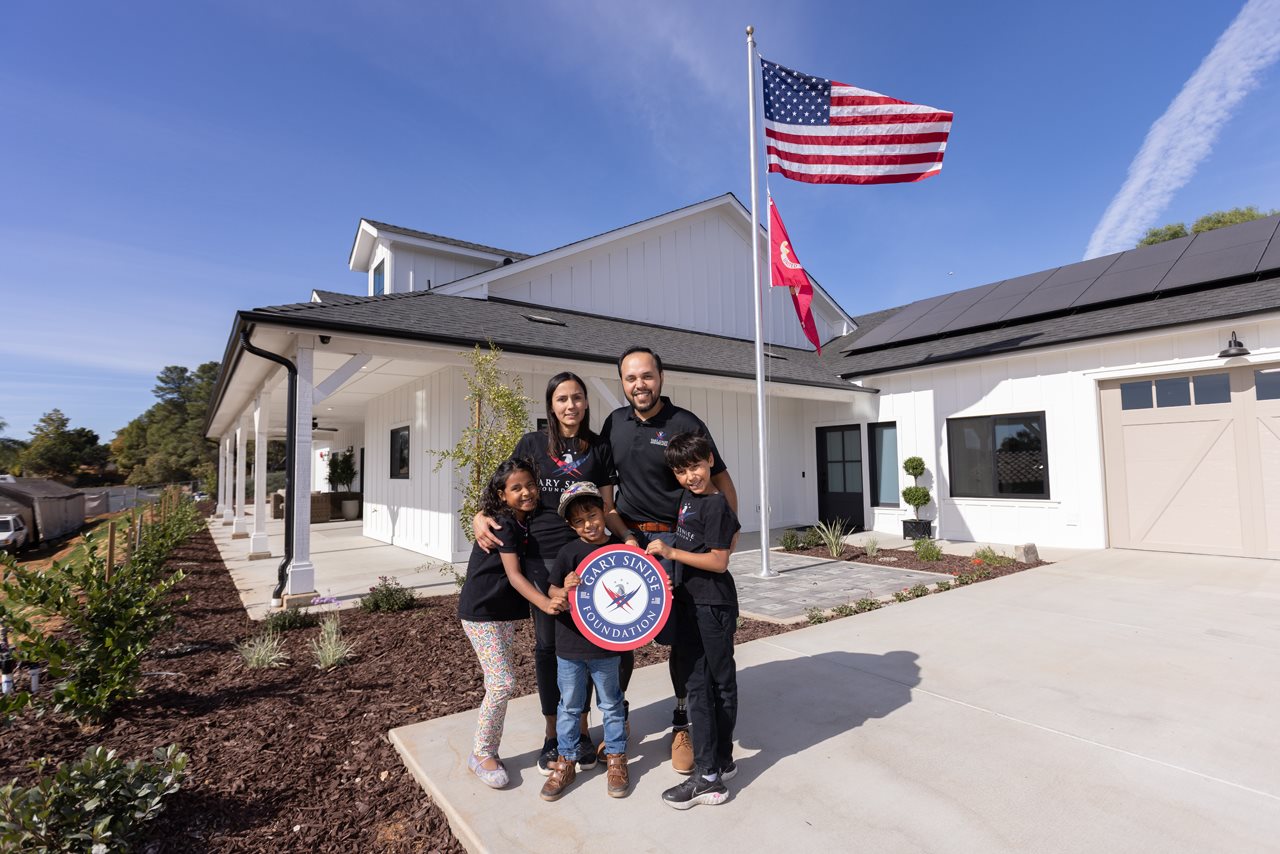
(342, 473)
(916, 496)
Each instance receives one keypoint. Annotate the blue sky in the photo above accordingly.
(162, 164)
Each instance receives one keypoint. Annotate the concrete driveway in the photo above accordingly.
(1117, 701)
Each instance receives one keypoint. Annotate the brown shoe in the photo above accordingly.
(619, 781)
(561, 778)
(681, 752)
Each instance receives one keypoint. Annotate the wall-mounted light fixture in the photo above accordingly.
(1234, 348)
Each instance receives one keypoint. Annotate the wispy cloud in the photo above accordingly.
(1182, 137)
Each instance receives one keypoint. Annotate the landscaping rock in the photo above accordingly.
(1026, 553)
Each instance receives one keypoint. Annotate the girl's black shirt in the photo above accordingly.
(487, 595)
(548, 533)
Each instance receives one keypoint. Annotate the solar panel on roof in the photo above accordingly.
(1136, 271)
(1271, 258)
(1061, 289)
(888, 331)
(949, 309)
(1222, 253)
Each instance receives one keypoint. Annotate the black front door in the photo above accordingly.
(840, 474)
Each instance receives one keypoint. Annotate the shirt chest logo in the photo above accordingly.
(660, 438)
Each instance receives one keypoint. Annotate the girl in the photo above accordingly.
(494, 597)
(565, 453)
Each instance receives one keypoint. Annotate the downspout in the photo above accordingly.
(291, 446)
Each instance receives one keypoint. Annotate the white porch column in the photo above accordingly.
(239, 528)
(222, 481)
(302, 573)
(258, 545)
(228, 511)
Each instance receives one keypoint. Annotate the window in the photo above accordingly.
(1212, 388)
(998, 456)
(400, 453)
(1135, 395)
(380, 278)
(1175, 391)
(884, 464)
(1267, 384)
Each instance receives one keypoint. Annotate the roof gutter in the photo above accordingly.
(291, 450)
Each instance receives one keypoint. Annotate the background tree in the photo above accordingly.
(166, 443)
(1208, 222)
(10, 449)
(57, 450)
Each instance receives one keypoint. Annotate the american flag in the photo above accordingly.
(824, 132)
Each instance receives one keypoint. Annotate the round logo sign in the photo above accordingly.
(623, 598)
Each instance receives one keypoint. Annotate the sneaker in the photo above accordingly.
(694, 791)
(560, 778)
(494, 778)
(729, 771)
(550, 752)
(681, 752)
(619, 781)
(586, 753)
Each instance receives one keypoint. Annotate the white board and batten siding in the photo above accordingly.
(1062, 383)
(410, 269)
(693, 273)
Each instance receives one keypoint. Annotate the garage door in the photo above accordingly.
(1193, 461)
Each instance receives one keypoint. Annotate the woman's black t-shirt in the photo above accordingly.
(487, 594)
(548, 533)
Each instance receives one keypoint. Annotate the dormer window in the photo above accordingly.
(380, 278)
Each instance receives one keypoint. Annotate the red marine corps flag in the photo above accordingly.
(786, 271)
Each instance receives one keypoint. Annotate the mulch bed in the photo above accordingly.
(290, 759)
(906, 559)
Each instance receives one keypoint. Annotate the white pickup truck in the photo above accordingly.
(13, 534)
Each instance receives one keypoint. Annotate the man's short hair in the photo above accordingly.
(688, 448)
(657, 360)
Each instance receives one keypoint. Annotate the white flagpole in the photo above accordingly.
(761, 426)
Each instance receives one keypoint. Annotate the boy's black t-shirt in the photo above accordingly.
(570, 643)
(548, 533)
(487, 594)
(705, 522)
(647, 490)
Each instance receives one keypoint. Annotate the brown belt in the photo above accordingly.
(648, 527)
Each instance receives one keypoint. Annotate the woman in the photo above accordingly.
(567, 452)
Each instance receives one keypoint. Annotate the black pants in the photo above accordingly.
(679, 664)
(544, 647)
(713, 683)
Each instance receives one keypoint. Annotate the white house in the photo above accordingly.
(1023, 397)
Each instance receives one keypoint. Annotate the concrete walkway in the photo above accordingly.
(1113, 702)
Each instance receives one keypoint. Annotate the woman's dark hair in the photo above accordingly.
(685, 449)
(556, 443)
(491, 503)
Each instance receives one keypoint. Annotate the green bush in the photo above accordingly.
(107, 624)
(979, 574)
(927, 549)
(871, 546)
(988, 555)
(942, 585)
(790, 540)
(331, 649)
(913, 466)
(902, 595)
(816, 616)
(289, 619)
(915, 496)
(812, 538)
(832, 535)
(388, 595)
(844, 610)
(866, 604)
(96, 804)
(264, 650)
(918, 590)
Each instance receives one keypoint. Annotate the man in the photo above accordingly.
(649, 498)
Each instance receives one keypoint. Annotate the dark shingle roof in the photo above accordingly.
(333, 297)
(462, 321)
(1219, 303)
(462, 244)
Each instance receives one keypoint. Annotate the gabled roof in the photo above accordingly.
(498, 254)
(543, 331)
(36, 487)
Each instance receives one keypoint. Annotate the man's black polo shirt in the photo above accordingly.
(647, 490)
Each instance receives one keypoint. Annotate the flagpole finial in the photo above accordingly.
(750, 29)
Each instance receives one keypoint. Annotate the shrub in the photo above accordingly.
(866, 604)
(790, 540)
(979, 574)
(871, 546)
(289, 619)
(388, 595)
(95, 660)
(95, 804)
(942, 585)
(812, 538)
(832, 535)
(927, 549)
(844, 610)
(342, 469)
(331, 649)
(915, 496)
(264, 650)
(987, 554)
(903, 595)
(816, 616)
(918, 590)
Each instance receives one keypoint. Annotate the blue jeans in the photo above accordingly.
(572, 675)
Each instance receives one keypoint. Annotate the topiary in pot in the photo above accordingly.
(916, 497)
